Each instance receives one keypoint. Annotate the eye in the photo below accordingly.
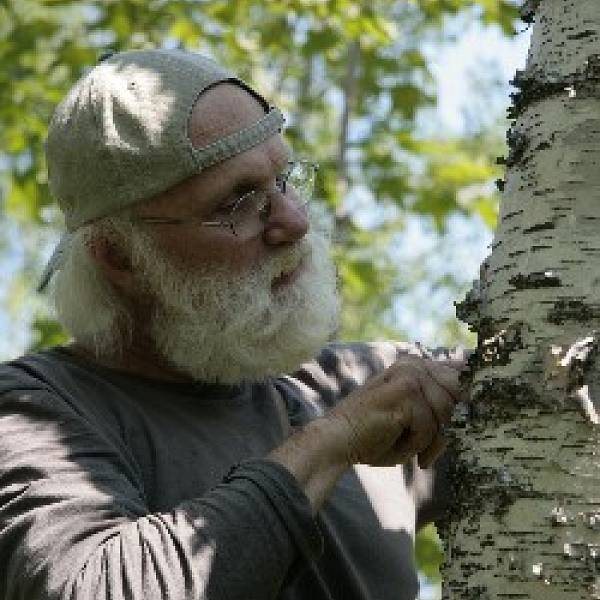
(227, 207)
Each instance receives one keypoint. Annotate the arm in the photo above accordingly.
(74, 523)
(310, 455)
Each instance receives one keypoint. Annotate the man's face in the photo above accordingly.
(222, 311)
(223, 110)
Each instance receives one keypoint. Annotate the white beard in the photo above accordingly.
(217, 327)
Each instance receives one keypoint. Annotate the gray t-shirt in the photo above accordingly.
(114, 486)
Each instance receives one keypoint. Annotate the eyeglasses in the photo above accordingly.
(246, 216)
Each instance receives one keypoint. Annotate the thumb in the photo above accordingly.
(432, 452)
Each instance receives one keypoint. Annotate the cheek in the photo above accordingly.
(219, 250)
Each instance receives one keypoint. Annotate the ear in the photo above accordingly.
(113, 262)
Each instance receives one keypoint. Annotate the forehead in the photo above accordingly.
(221, 110)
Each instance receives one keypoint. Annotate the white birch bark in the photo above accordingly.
(526, 524)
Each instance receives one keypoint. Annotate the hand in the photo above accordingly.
(399, 413)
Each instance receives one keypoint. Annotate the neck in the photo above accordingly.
(135, 360)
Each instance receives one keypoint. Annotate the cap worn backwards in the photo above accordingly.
(121, 134)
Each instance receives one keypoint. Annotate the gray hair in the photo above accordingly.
(85, 303)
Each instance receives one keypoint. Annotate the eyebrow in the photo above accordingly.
(253, 180)
(244, 184)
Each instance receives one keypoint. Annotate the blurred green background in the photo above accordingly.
(356, 82)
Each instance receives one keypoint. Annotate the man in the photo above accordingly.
(163, 453)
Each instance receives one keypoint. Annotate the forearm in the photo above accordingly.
(255, 525)
(314, 455)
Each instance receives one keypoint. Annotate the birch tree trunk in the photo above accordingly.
(526, 523)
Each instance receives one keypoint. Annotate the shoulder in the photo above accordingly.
(51, 380)
(53, 370)
(355, 362)
(25, 373)
(339, 368)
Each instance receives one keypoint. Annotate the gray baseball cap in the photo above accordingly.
(120, 136)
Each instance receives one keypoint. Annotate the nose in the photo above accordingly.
(288, 221)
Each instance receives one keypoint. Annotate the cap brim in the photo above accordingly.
(55, 262)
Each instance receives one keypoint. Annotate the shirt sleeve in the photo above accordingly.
(74, 523)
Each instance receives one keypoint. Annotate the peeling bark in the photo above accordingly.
(526, 522)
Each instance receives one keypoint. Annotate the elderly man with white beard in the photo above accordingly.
(201, 436)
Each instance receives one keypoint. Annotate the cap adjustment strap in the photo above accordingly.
(239, 141)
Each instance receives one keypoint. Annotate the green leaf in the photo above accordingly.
(46, 333)
(487, 209)
(320, 40)
(428, 553)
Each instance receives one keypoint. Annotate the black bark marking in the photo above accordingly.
(540, 227)
(572, 310)
(582, 34)
(518, 143)
(534, 280)
(528, 10)
(532, 88)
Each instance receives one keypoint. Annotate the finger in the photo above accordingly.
(458, 364)
(445, 377)
(422, 428)
(428, 456)
(440, 401)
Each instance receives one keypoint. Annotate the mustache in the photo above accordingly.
(289, 261)
(161, 277)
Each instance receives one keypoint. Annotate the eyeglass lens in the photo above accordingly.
(248, 215)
